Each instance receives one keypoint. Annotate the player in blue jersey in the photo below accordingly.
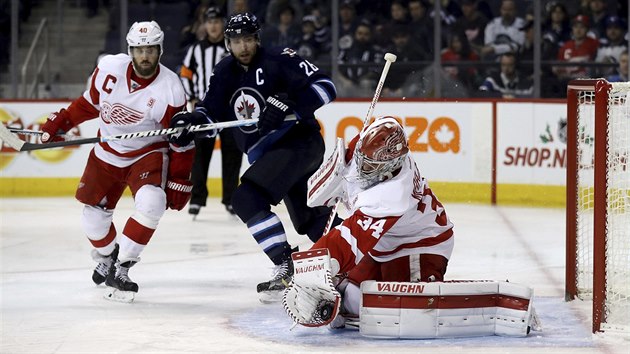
(283, 91)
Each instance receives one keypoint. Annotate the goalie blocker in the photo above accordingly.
(419, 310)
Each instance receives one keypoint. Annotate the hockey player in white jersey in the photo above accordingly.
(382, 269)
(128, 93)
(398, 230)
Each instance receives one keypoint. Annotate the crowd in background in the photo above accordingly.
(486, 46)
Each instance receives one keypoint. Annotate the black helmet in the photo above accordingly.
(242, 24)
(214, 12)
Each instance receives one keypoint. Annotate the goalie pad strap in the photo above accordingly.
(445, 310)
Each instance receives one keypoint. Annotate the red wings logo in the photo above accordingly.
(119, 114)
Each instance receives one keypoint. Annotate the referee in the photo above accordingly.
(195, 74)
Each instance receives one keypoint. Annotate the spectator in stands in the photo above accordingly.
(450, 11)
(473, 23)
(283, 32)
(195, 74)
(548, 51)
(348, 23)
(557, 26)
(597, 13)
(622, 70)
(459, 50)
(503, 34)
(196, 31)
(421, 26)
(406, 52)
(613, 44)
(240, 6)
(399, 15)
(360, 80)
(275, 8)
(315, 39)
(580, 49)
(321, 10)
(508, 82)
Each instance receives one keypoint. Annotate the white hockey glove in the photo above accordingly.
(311, 298)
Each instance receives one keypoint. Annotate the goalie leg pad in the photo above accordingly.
(445, 310)
(311, 298)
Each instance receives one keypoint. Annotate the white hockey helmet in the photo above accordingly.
(381, 150)
(145, 33)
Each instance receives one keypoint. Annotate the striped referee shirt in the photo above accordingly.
(197, 67)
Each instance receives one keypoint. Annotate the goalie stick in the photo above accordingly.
(19, 145)
(389, 59)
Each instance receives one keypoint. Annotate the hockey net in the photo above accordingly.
(598, 200)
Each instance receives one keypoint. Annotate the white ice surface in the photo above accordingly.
(197, 286)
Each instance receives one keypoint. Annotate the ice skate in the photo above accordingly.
(271, 291)
(119, 286)
(193, 210)
(104, 264)
(229, 209)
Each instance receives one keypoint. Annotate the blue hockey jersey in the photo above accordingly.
(238, 93)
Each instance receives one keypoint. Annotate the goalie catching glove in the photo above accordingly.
(311, 298)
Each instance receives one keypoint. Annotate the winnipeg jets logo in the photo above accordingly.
(245, 109)
(247, 103)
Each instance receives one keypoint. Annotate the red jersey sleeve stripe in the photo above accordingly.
(169, 113)
(94, 94)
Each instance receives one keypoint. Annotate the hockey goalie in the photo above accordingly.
(382, 270)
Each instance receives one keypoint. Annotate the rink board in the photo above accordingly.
(467, 149)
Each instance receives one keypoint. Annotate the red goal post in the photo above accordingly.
(598, 200)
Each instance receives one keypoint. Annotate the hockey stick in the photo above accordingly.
(19, 145)
(389, 59)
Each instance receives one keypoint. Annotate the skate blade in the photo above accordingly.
(113, 294)
(270, 297)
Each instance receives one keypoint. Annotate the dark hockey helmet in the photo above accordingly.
(381, 150)
(214, 12)
(242, 24)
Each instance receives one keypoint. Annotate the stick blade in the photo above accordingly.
(10, 139)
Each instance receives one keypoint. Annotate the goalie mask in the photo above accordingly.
(380, 151)
(145, 34)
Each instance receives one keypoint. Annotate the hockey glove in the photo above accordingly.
(185, 120)
(56, 123)
(272, 116)
(178, 186)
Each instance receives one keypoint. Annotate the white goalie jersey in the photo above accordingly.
(403, 213)
(125, 105)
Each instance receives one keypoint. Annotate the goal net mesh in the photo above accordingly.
(617, 257)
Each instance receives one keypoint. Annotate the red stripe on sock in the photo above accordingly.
(138, 233)
(109, 238)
